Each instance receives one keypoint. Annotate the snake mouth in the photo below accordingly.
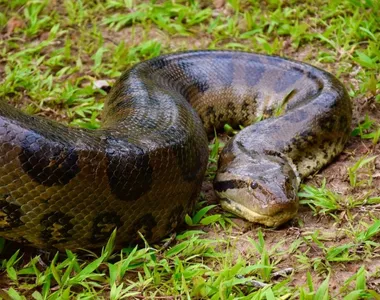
(273, 220)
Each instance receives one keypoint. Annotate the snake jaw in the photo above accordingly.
(242, 211)
(269, 211)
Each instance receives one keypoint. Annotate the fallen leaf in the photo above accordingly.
(13, 24)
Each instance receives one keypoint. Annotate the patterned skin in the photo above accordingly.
(68, 188)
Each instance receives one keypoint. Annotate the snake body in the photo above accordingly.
(67, 188)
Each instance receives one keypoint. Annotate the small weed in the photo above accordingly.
(36, 21)
(200, 217)
(353, 171)
(321, 293)
(320, 200)
(368, 129)
(360, 290)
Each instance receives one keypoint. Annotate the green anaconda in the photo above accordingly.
(64, 187)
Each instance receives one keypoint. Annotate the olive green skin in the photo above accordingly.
(68, 188)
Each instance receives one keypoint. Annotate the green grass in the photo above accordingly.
(52, 54)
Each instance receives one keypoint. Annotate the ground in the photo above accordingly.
(54, 56)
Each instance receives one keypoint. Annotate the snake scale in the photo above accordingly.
(68, 188)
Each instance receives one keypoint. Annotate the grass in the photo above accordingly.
(53, 54)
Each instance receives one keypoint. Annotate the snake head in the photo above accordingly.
(260, 188)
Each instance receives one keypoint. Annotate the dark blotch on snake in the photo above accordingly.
(158, 64)
(226, 69)
(248, 109)
(128, 170)
(326, 123)
(231, 109)
(257, 71)
(176, 217)
(46, 162)
(202, 86)
(56, 227)
(104, 224)
(343, 123)
(145, 226)
(197, 79)
(210, 116)
(188, 154)
(11, 215)
(284, 82)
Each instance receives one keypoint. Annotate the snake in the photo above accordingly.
(141, 172)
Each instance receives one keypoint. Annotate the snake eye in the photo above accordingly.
(254, 185)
